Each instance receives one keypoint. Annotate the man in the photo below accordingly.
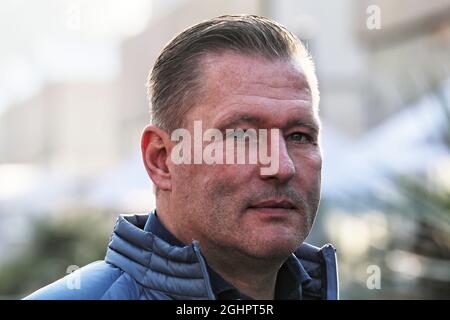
(221, 229)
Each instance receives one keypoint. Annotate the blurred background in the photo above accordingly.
(73, 105)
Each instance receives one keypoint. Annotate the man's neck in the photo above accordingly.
(253, 277)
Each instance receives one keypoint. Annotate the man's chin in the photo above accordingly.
(271, 248)
(281, 235)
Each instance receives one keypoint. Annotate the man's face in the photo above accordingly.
(233, 206)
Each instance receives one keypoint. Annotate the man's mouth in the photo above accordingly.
(274, 203)
(272, 207)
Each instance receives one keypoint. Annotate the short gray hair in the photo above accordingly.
(174, 82)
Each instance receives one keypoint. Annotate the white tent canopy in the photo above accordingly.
(407, 143)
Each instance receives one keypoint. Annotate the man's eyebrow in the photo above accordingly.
(234, 120)
(312, 125)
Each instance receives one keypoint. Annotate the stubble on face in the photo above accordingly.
(213, 200)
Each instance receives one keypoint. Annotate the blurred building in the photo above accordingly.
(375, 85)
(68, 127)
(365, 75)
(140, 52)
(86, 128)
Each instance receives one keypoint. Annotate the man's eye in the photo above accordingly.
(232, 135)
(300, 137)
(238, 133)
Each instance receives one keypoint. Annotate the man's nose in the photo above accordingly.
(286, 168)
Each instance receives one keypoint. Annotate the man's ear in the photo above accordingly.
(155, 152)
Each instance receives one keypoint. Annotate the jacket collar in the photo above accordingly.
(178, 271)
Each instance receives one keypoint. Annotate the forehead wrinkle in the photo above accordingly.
(261, 121)
(250, 83)
(257, 102)
(286, 76)
(263, 82)
(285, 85)
(235, 113)
(252, 70)
(270, 97)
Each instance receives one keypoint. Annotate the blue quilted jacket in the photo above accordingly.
(139, 265)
